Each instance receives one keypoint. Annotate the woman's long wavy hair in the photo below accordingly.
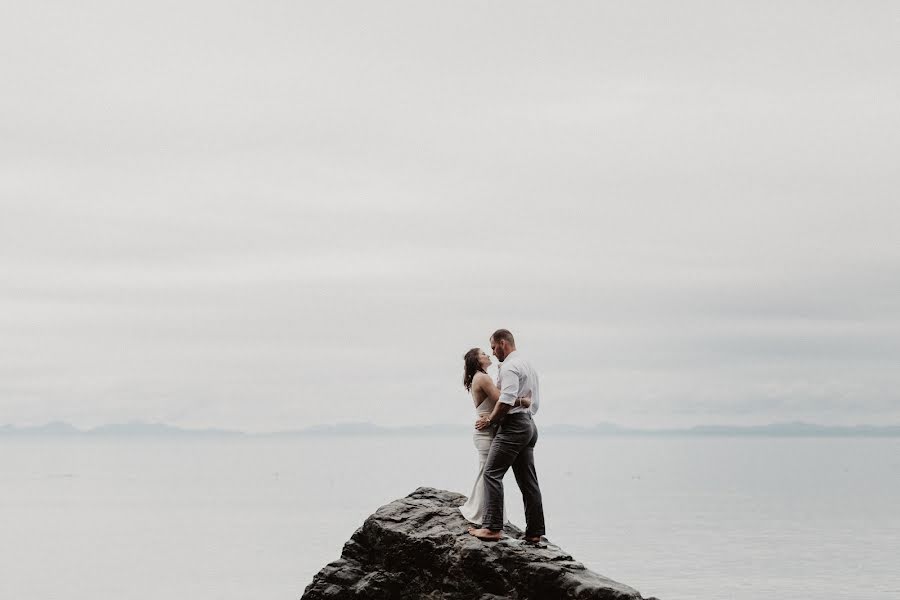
(473, 365)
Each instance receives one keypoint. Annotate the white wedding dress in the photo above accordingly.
(473, 509)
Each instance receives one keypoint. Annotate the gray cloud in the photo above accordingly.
(277, 215)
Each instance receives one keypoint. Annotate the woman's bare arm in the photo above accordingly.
(482, 383)
(490, 389)
(488, 386)
(524, 400)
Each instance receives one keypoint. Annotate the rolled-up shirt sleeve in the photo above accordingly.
(509, 386)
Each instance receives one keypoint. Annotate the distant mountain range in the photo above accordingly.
(140, 429)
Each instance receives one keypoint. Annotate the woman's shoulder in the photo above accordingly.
(480, 378)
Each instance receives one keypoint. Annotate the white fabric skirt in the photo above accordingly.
(473, 509)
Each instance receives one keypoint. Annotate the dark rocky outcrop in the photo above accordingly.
(417, 547)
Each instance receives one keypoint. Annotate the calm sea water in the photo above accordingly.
(679, 518)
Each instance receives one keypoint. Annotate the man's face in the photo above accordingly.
(499, 349)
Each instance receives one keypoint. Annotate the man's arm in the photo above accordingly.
(484, 383)
(509, 386)
(509, 391)
(500, 410)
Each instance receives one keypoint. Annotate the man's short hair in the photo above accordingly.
(503, 334)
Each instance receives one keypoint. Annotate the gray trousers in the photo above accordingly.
(513, 446)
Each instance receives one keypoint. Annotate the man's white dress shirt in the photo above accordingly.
(517, 379)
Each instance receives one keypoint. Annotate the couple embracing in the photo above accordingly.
(505, 436)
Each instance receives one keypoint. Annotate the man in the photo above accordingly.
(513, 445)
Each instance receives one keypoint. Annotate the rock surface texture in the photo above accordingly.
(418, 547)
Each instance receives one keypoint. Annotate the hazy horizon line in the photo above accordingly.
(784, 428)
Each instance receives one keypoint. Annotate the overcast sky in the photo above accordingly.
(267, 215)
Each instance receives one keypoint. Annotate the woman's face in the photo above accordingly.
(484, 359)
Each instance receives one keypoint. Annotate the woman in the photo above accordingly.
(485, 395)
